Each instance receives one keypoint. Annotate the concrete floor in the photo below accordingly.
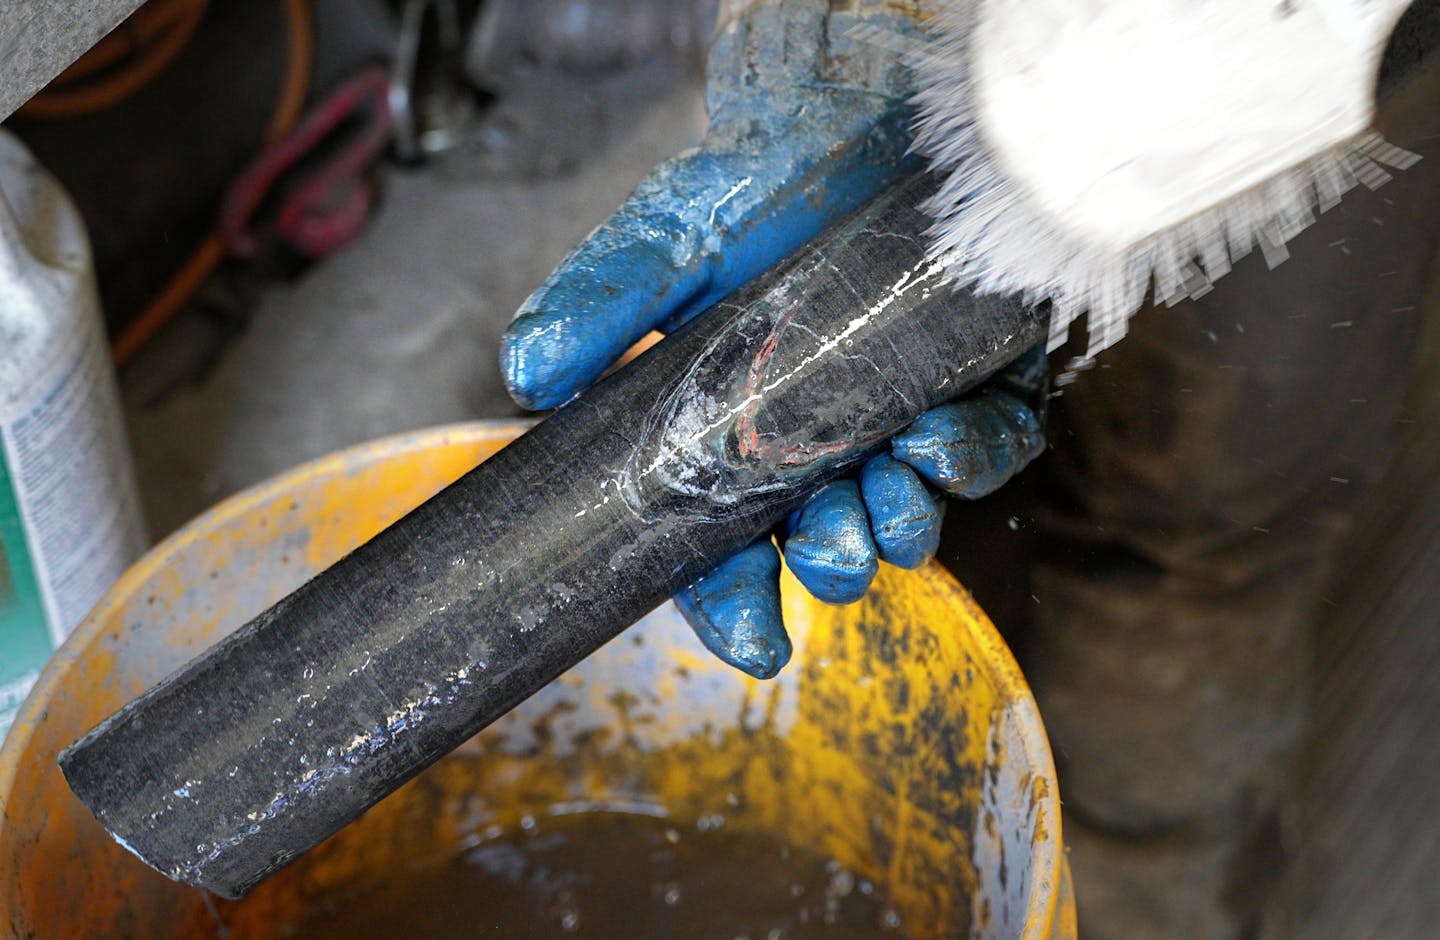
(400, 332)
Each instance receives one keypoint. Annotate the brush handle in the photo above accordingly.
(296, 724)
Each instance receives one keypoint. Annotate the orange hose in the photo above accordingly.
(207, 255)
(151, 39)
(299, 60)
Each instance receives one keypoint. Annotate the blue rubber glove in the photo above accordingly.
(807, 123)
(835, 542)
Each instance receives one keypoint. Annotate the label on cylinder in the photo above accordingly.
(69, 515)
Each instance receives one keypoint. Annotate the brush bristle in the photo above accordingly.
(998, 239)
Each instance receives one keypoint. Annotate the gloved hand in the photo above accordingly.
(834, 543)
(807, 122)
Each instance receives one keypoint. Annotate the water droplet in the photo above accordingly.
(672, 894)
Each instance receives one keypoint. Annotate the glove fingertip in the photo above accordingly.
(831, 578)
(542, 364)
(905, 515)
(831, 550)
(909, 550)
(735, 611)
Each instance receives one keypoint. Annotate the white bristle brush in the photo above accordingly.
(1094, 150)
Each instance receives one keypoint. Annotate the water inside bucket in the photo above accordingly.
(612, 874)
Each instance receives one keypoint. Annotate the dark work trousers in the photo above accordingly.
(1182, 530)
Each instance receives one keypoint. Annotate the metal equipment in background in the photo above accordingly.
(513, 39)
(431, 105)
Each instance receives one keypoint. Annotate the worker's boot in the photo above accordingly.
(1174, 722)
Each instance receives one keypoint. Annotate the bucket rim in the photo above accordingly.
(31, 712)
(1046, 872)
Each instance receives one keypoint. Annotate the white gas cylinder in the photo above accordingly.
(70, 519)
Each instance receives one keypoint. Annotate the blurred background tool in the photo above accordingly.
(430, 104)
(315, 178)
(517, 40)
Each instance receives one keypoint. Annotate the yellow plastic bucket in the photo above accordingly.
(901, 741)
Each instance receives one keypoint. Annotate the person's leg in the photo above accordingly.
(1200, 481)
